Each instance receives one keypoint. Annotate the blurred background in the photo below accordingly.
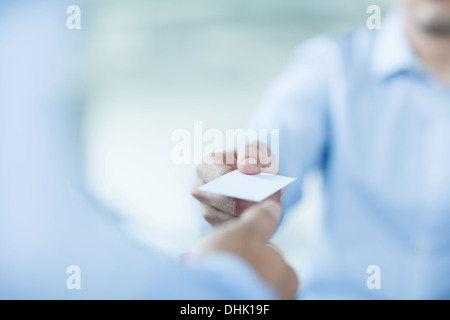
(157, 66)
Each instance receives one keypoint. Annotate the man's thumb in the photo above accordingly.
(263, 218)
(248, 160)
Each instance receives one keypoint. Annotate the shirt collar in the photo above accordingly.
(393, 53)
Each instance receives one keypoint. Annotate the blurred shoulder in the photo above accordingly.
(349, 47)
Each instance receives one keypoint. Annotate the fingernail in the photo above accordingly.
(249, 160)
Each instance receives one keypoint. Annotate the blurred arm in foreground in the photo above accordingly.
(46, 222)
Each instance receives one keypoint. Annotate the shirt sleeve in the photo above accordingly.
(296, 104)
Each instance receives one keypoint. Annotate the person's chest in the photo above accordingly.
(392, 139)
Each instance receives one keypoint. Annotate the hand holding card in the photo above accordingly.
(225, 193)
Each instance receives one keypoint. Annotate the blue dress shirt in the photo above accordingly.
(361, 108)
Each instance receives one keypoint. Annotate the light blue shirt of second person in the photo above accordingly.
(363, 109)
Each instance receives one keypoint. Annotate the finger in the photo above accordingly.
(228, 205)
(291, 284)
(248, 161)
(262, 219)
(286, 279)
(215, 217)
(256, 157)
(273, 246)
(267, 158)
(216, 165)
(232, 206)
(276, 196)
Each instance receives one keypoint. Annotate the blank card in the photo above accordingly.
(254, 188)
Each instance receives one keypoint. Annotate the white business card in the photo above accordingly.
(254, 188)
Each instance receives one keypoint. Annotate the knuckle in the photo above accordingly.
(195, 192)
(207, 214)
